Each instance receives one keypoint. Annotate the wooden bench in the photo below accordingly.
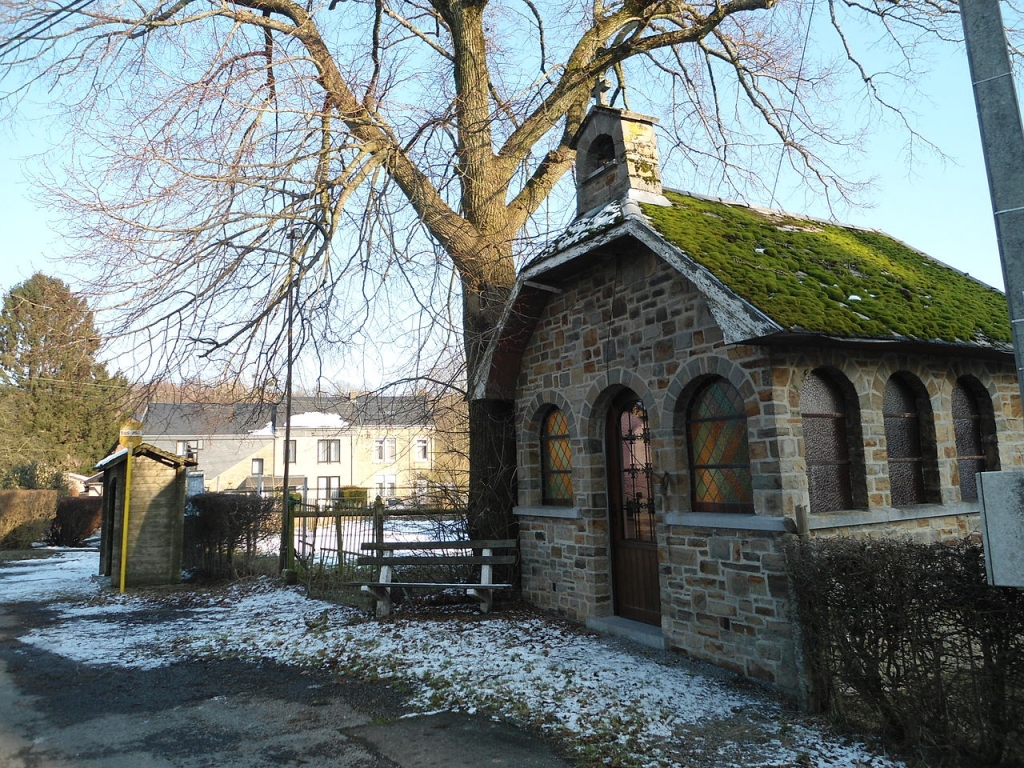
(469, 553)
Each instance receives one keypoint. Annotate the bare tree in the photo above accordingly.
(410, 145)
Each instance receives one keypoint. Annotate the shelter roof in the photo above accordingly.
(149, 451)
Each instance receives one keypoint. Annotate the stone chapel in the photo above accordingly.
(697, 380)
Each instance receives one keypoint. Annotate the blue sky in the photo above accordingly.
(938, 206)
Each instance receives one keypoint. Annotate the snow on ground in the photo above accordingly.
(606, 698)
(64, 575)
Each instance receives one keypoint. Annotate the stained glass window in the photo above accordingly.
(556, 459)
(719, 453)
(826, 449)
(903, 438)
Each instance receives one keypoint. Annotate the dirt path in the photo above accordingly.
(55, 713)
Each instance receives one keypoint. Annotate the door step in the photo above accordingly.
(643, 634)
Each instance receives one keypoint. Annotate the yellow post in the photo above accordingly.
(131, 436)
(124, 521)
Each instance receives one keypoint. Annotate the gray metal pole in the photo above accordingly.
(1002, 140)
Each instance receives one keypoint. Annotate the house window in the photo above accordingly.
(328, 451)
(290, 452)
(384, 449)
(826, 447)
(422, 449)
(974, 430)
(188, 448)
(328, 488)
(385, 485)
(257, 466)
(556, 460)
(903, 440)
(719, 454)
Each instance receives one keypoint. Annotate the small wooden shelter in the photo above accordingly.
(144, 486)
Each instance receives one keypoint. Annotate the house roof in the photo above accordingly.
(211, 419)
(768, 276)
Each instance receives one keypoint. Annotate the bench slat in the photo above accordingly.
(399, 560)
(392, 546)
(425, 585)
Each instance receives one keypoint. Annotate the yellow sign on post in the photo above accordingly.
(131, 434)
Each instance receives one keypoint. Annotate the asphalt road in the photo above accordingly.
(55, 713)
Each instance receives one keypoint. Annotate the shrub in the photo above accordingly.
(910, 638)
(223, 532)
(33, 476)
(24, 517)
(77, 518)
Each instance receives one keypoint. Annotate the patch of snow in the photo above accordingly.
(577, 686)
(854, 297)
(111, 458)
(71, 574)
(266, 430)
(584, 228)
(317, 419)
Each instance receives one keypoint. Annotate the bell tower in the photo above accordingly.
(616, 157)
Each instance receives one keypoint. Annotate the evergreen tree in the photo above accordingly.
(59, 408)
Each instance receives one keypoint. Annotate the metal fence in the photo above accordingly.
(328, 540)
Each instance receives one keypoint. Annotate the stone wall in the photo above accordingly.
(564, 562)
(729, 601)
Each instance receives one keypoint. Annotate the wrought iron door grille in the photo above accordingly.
(637, 474)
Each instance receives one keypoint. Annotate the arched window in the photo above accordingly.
(556, 459)
(719, 453)
(974, 430)
(826, 446)
(903, 438)
(600, 152)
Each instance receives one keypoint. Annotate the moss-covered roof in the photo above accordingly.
(817, 277)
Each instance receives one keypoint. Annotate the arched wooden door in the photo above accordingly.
(635, 585)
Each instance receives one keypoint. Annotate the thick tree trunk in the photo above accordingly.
(492, 469)
(492, 441)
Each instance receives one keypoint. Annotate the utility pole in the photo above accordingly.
(1002, 139)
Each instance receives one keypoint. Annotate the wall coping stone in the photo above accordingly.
(729, 520)
(565, 513)
(852, 518)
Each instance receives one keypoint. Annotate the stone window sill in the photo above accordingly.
(562, 513)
